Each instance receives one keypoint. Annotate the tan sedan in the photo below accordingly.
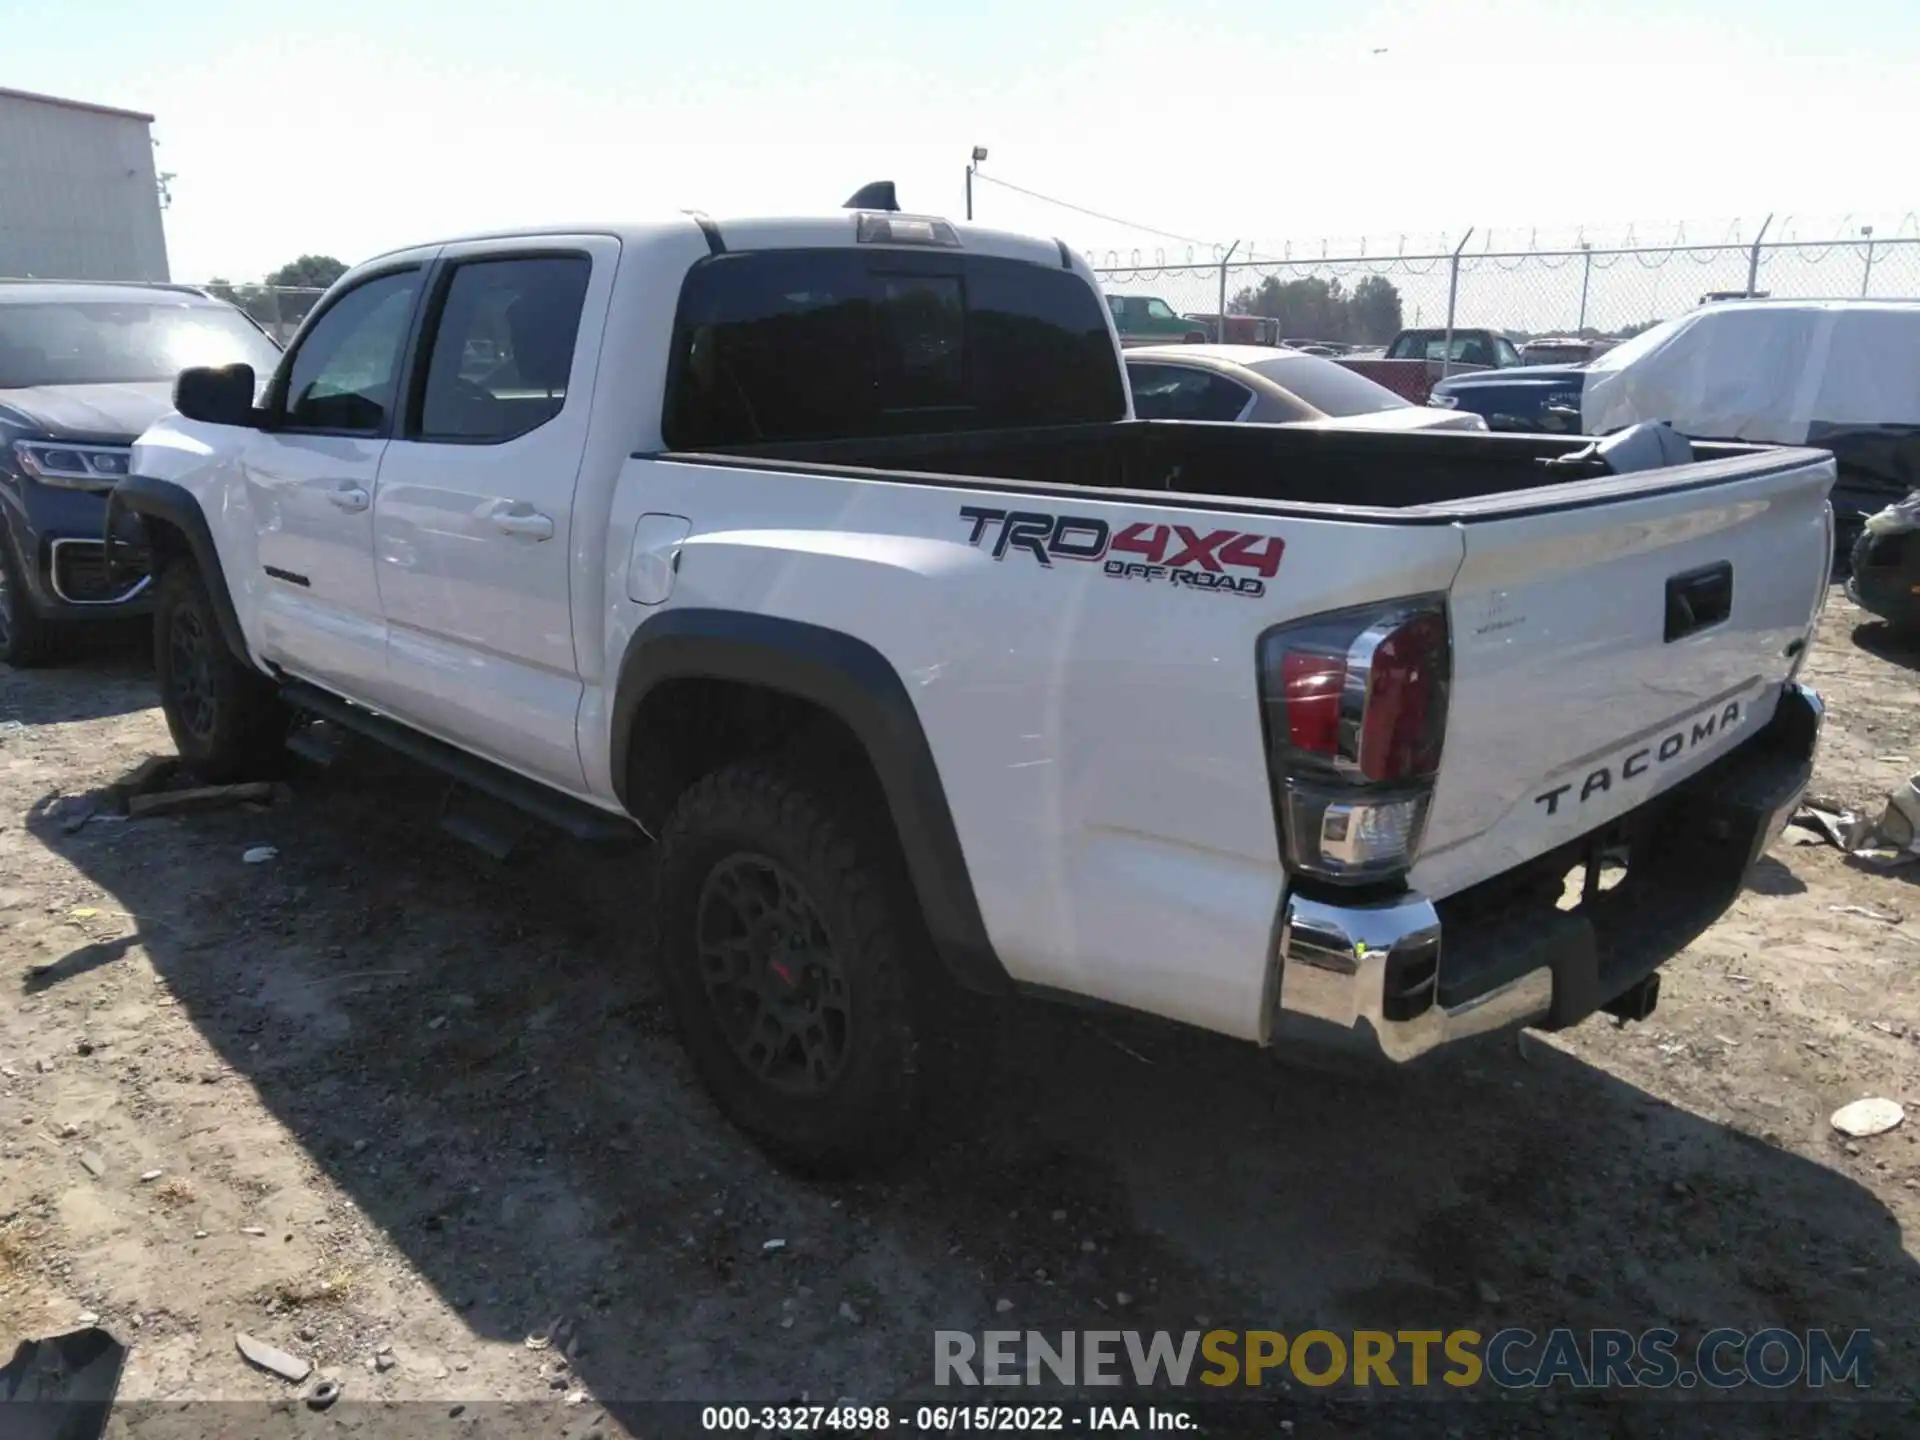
(1267, 385)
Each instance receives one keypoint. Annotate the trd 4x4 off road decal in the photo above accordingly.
(1196, 558)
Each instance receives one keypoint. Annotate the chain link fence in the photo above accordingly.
(1364, 299)
(1591, 290)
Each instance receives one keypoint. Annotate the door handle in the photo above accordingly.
(523, 522)
(1699, 599)
(350, 498)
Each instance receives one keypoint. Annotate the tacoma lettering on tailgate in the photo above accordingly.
(1180, 555)
(1649, 757)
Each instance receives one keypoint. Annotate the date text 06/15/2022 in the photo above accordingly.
(943, 1419)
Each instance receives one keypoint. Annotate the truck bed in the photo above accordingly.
(1434, 476)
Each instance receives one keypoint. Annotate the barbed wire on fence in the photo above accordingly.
(1738, 233)
(1601, 290)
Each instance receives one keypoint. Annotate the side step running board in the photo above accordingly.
(317, 745)
(563, 812)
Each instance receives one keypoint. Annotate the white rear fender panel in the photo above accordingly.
(1094, 720)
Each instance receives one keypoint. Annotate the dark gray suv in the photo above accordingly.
(84, 368)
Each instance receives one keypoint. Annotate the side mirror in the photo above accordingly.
(216, 396)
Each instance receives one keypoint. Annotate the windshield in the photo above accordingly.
(1327, 386)
(1556, 354)
(1469, 347)
(101, 342)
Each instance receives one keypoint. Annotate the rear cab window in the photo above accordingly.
(844, 343)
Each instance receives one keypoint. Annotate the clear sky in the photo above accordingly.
(352, 126)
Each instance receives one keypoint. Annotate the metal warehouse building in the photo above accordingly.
(79, 199)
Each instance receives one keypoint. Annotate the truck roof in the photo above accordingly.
(1897, 307)
(1457, 330)
(784, 232)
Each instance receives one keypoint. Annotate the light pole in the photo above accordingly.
(1586, 274)
(979, 154)
(1753, 260)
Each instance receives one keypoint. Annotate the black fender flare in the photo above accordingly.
(163, 500)
(851, 680)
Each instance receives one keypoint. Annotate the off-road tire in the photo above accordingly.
(1902, 618)
(27, 638)
(1854, 558)
(763, 810)
(227, 723)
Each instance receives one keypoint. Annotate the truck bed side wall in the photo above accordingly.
(1250, 462)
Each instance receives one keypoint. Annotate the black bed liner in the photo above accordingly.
(1439, 477)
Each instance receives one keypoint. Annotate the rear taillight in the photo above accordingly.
(1356, 709)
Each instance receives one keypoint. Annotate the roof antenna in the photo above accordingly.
(877, 196)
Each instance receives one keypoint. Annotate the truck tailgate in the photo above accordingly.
(1608, 645)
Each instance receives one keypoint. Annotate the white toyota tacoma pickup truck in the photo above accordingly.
(826, 552)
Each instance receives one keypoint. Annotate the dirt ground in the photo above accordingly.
(409, 1108)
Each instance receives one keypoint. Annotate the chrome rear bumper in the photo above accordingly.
(1403, 976)
(1338, 967)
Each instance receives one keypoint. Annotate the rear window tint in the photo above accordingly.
(1327, 385)
(840, 344)
(1181, 392)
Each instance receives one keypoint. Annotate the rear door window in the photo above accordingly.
(794, 345)
(502, 351)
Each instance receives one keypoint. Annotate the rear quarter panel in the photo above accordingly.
(1098, 736)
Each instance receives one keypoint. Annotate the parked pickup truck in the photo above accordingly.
(826, 553)
(1541, 399)
(1417, 358)
(1149, 320)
